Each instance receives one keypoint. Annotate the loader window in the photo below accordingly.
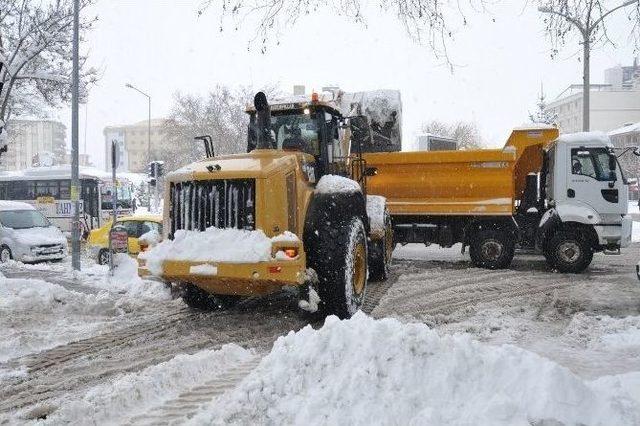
(296, 132)
(592, 162)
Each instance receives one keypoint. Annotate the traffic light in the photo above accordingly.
(156, 168)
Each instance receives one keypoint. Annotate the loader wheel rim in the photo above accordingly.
(491, 249)
(358, 276)
(569, 251)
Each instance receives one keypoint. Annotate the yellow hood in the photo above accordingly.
(256, 164)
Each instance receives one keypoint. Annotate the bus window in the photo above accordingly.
(65, 190)
(18, 191)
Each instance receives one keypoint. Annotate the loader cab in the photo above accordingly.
(318, 130)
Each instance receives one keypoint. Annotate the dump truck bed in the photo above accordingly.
(460, 183)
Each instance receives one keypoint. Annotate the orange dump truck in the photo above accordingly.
(565, 197)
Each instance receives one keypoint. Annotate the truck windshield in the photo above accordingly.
(23, 219)
(592, 162)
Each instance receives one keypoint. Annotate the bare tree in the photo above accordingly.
(465, 133)
(588, 17)
(221, 114)
(429, 22)
(36, 55)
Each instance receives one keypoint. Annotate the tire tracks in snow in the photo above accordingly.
(66, 371)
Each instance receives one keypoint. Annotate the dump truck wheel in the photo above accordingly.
(341, 265)
(492, 249)
(381, 253)
(197, 298)
(569, 251)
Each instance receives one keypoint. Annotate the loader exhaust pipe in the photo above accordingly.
(263, 121)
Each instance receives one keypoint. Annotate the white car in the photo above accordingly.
(26, 235)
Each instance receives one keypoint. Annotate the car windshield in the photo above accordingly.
(23, 219)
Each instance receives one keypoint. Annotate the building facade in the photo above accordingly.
(612, 105)
(29, 140)
(132, 141)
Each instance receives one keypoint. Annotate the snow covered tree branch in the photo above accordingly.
(36, 53)
(221, 114)
(588, 17)
(429, 22)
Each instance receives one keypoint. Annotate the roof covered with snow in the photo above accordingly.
(15, 205)
(630, 128)
(585, 137)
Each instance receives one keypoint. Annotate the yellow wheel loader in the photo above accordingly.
(301, 190)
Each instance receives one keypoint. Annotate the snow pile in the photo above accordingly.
(136, 393)
(600, 137)
(150, 238)
(37, 315)
(375, 211)
(125, 284)
(364, 371)
(605, 332)
(214, 245)
(331, 184)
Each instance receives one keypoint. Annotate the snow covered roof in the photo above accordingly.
(15, 205)
(535, 126)
(630, 128)
(586, 137)
(56, 172)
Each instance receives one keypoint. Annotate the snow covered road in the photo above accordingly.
(78, 348)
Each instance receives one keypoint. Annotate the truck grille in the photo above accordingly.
(223, 203)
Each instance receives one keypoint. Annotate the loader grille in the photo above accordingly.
(223, 203)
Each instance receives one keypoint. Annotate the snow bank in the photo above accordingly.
(605, 332)
(134, 394)
(37, 315)
(150, 238)
(600, 137)
(330, 184)
(214, 245)
(375, 211)
(364, 371)
(131, 290)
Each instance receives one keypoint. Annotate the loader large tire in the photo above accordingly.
(196, 298)
(569, 251)
(380, 253)
(340, 260)
(492, 249)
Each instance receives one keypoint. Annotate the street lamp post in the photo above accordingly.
(586, 30)
(130, 86)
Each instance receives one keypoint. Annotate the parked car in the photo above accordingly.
(27, 235)
(136, 226)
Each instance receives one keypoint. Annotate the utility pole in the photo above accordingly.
(75, 181)
(586, 29)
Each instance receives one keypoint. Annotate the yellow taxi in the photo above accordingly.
(136, 226)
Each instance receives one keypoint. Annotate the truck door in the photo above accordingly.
(591, 182)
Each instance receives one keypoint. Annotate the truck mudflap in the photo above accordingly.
(241, 279)
(626, 236)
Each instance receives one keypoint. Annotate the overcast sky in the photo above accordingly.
(163, 47)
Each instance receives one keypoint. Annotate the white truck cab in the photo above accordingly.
(587, 195)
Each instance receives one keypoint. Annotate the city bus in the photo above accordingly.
(49, 190)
